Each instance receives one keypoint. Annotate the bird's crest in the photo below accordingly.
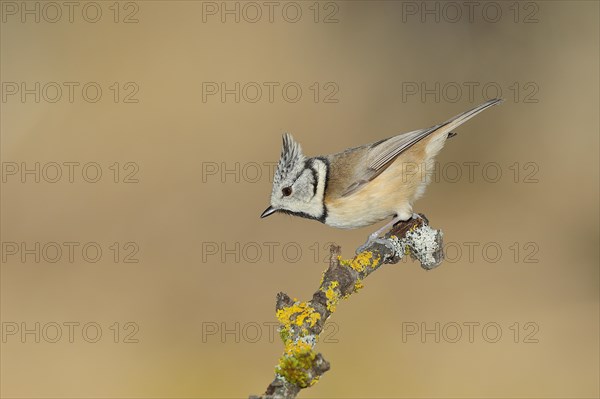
(291, 157)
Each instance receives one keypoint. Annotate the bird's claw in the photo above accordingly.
(375, 240)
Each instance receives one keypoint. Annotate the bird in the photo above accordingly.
(363, 185)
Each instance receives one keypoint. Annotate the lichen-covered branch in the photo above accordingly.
(301, 323)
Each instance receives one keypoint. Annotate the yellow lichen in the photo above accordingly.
(333, 296)
(298, 358)
(358, 285)
(296, 362)
(361, 261)
(302, 312)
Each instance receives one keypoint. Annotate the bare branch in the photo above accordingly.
(301, 323)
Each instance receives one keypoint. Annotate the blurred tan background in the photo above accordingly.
(208, 268)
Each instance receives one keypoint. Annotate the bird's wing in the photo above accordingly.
(383, 154)
(376, 158)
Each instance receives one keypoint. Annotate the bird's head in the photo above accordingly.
(298, 183)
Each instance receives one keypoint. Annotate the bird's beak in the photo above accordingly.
(269, 211)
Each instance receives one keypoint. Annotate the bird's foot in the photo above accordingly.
(417, 216)
(376, 236)
(374, 239)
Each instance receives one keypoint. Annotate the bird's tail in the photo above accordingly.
(440, 133)
(459, 119)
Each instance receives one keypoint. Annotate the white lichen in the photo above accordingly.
(398, 245)
(310, 339)
(423, 243)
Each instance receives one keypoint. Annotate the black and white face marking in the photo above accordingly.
(302, 193)
(299, 183)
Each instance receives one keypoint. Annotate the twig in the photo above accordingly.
(301, 323)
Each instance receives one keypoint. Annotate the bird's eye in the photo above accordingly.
(286, 191)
